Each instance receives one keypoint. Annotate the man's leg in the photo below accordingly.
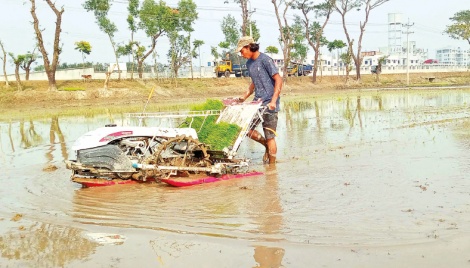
(272, 150)
(269, 127)
(256, 136)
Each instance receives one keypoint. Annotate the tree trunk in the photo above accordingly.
(50, 67)
(51, 79)
(108, 75)
(17, 76)
(141, 60)
(286, 39)
(139, 68)
(4, 65)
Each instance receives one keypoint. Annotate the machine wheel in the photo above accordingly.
(124, 176)
(227, 73)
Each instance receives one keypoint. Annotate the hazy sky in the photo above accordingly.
(16, 31)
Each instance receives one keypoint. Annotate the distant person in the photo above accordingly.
(266, 83)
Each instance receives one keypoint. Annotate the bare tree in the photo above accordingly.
(18, 61)
(285, 35)
(4, 59)
(29, 59)
(345, 6)
(49, 66)
(313, 30)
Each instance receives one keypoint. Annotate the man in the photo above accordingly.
(266, 83)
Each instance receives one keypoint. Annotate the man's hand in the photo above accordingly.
(271, 106)
(241, 99)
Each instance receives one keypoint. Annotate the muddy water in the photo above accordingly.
(366, 180)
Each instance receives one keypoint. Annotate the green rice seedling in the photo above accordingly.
(217, 136)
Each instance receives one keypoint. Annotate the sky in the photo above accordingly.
(429, 19)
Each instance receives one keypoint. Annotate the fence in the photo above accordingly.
(208, 72)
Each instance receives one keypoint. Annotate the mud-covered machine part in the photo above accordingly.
(159, 157)
(147, 157)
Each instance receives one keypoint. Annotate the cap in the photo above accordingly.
(244, 41)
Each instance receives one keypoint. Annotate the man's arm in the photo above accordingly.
(277, 91)
(248, 92)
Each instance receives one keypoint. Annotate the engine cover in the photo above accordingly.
(108, 156)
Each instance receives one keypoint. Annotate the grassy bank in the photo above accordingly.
(91, 95)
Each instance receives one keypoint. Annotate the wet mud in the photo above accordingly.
(377, 179)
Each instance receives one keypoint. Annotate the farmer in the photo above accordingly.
(266, 83)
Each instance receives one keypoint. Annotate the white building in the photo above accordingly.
(453, 56)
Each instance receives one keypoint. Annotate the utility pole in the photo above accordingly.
(408, 50)
(200, 64)
(249, 17)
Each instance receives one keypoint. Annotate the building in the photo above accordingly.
(453, 56)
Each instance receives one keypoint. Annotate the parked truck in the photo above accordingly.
(299, 69)
(232, 64)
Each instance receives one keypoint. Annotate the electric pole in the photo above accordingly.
(408, 26)
(250, 12)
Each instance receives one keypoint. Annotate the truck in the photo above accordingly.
(299, 69)
(228, 66)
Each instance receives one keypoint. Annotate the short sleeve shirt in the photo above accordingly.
(261, 71)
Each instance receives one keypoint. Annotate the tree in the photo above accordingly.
(100, 9)
(29, 58)
(313, 30)
(197, 46)
(179, 53)
(49, 66)
(378, 70)
(343, 7)
(299, 49)
(246, 16)
(4, 59)
(460, 29)
(85, 48)
(229, 28)
(132, 18)
(272, 50)
(347, 59)
(17, 61)
(338, 45)
(215, 53)
(284, 31)
(158, 19)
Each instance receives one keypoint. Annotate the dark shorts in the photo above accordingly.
(269, 125)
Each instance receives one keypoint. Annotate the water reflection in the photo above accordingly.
(56, 132)
(30, 137)
(270, 221)
(45, 245)
(352, 113)
(336, 149)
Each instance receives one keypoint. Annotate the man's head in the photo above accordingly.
(243, 42)
(247, 46)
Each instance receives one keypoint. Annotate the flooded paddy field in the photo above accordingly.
(374, 179)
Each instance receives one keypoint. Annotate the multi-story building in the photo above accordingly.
(453, 56)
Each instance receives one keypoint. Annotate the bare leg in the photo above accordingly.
(256, 136)
(272, 150)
